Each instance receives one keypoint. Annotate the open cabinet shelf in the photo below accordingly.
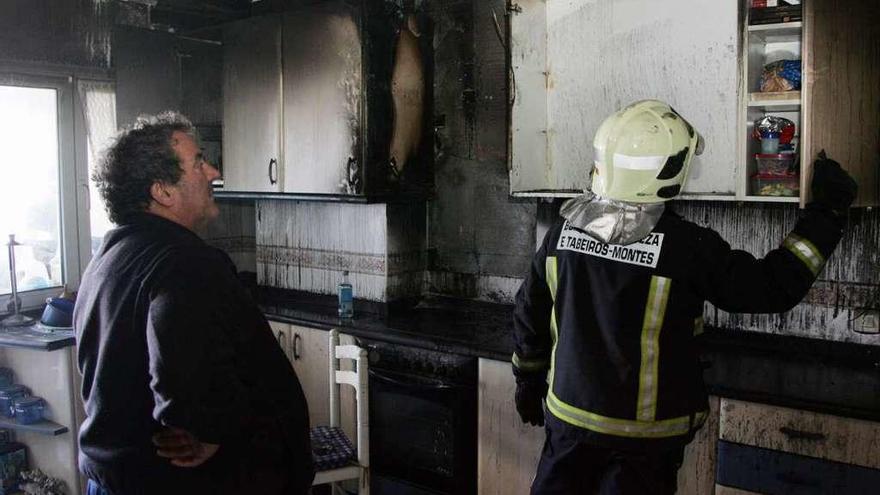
(777, 99)
(765, 44)
(44, 427)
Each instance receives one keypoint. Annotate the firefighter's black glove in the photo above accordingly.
(832, 187)
(529, 397)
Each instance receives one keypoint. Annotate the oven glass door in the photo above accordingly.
(423, 431)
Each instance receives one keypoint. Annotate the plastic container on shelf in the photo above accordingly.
(8, 395)
(776, 185)
(770, 142)
(29, 410)
(775, 163)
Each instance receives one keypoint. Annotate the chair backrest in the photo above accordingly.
(357, 379)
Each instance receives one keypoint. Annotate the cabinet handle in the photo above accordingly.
(282, 341)
(297, 340)
(797, 480)
(273, 172)
(801, 435)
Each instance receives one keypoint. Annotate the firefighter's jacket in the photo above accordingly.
(612, 327)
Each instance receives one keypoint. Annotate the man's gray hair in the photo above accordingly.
(139, 156)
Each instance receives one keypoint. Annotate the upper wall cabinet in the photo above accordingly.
(842, 90)
(575, 62)
(327, 99)
(252, 105)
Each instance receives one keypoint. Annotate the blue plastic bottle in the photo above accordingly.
(346, 297)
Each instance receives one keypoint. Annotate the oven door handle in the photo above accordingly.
(411, 383)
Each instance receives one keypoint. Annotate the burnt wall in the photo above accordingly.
(56, 32)
(480, 240)
(849, 283)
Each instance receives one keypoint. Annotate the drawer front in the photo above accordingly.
(727, 490)
(846, 440)
(759, 470)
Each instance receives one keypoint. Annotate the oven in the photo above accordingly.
(423, 421)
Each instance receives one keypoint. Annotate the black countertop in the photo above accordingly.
(823, 376)
(466, 327)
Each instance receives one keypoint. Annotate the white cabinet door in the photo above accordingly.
(574, 62)
(697, 473)
(310, 354)
(507, 450)
(252, 106)
(323, 81)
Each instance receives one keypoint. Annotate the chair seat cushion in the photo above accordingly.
(330, 448)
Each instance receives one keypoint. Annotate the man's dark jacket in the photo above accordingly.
(167, 335)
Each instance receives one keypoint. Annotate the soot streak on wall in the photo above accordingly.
(480, 240)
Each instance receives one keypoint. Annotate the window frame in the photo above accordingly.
(72, 170)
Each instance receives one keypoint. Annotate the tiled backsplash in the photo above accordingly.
(848, 281)
(306, 245)
(234, 231)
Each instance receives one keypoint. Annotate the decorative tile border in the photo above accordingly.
(401, 263)
(234, 244)
(842, 294)
(370, 264)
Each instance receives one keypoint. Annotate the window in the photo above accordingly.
(38, 200)
(98, 102)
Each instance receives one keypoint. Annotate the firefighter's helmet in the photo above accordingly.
(643, 153)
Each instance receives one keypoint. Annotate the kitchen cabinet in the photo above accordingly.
(308, 351)
(771, 449)
(52, 375)
(508, 450)
(309, 104)
(252, 105)
(697, 473)
(842, 96)
(574, 63)
(824, 436)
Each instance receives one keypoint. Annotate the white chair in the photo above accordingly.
(360, 468)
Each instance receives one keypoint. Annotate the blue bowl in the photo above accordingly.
(58, 313)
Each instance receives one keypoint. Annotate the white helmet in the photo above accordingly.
(643, 153)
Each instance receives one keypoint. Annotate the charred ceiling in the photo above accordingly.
(184, 17)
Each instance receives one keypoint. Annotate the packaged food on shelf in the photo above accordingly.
(782, 75)
(773, 12)
(776, 185)
(776, 163)
(784, 128)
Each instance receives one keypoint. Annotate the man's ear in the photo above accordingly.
(162, 194)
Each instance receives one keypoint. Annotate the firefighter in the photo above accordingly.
(605, 320)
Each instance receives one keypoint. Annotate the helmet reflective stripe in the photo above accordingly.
(643, 153)
(638, 162)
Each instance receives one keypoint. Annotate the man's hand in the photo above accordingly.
(184, 449)
(529, 397)
(832, 187)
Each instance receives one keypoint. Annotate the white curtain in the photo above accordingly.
(98, 100)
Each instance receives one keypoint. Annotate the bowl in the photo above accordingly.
(58, 313)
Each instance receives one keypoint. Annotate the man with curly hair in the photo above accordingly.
(185, 388)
